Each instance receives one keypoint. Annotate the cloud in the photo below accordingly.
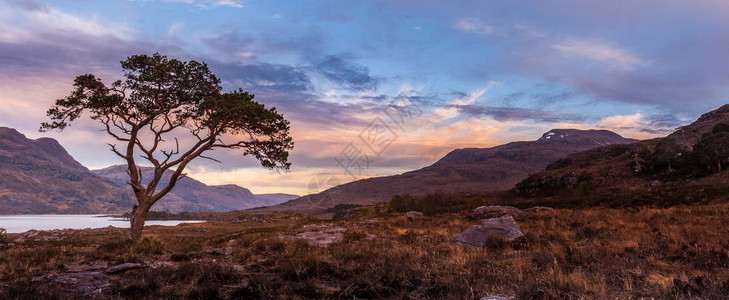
(229, 3)
(233, 46)
(450, 111)
(52, 43)
(516, 113)
(336, 69)
(30, 5)
(475, 26)
(205, 4)
(467, 99)
(264, 77)
(530, 98)
(615, 57)
(640, 126)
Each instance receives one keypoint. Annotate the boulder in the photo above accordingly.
(476, 236)
(493, 211)
(414, 215)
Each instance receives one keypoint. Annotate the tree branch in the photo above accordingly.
(210, 158)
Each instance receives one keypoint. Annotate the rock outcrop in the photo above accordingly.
(504, 227)
(74, 284)
(319, 235)
(493, 211)
(82, 280)
(414, 215)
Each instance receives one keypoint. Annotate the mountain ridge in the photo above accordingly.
(43, 148)
(39, 176)
(465, 170)
(691, 156)
(191, 195)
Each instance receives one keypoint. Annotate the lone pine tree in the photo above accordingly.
(161, 100)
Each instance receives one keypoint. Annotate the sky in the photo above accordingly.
(375, 88)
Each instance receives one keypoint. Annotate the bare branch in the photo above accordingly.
(191, 154)
(113, 149)
(171, 153)
(200, 146)
(106, 122)
(210, 158)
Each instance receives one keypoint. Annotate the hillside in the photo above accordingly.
(694, 155)
(275, 198)
(190, 195)
(39, 177)
(469, 170)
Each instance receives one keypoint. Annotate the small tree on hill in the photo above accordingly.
(161, 99)
(667, 150)
(713, 150)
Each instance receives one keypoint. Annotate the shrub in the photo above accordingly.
(583, 190)
(342, 207)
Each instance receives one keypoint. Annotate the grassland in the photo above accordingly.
(594, 253)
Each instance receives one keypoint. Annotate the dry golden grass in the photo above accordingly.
(593, 253)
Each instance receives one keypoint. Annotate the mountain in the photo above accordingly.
(275, 198)
(690, 135)
(692, 156)
(39, 177)
(190, 195)
(468, 170)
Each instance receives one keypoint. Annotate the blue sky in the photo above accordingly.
(481, 73)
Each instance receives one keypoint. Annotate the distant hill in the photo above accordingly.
(39, 177)
(695, 155)
(275, 198)
(190, 195)
(470, 169)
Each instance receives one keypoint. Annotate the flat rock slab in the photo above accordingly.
(319, 235)
(321, 238)
(476, 236)
(85, 268)
(369, 222)
(123, 268)
(83, 283)
(163, 264)
(492, 211)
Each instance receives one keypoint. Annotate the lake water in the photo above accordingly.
(23, 223)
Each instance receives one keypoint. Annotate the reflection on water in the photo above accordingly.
(22, 223)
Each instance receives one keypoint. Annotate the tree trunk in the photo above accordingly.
(139, 214)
